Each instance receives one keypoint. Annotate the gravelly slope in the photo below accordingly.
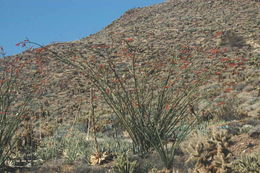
(159, 30)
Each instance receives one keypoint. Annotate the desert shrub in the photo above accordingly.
(124, 165)
(72, 143)
(228, 111)
(114, 145)
(247, 164)
(67, 142)
(74, 150)
(203, 129)
(48, 149)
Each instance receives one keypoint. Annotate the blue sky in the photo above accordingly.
(46, 21)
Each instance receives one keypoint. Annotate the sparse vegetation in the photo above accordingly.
(124, 165)
(139, 93)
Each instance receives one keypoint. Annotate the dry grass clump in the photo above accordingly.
(247, 164)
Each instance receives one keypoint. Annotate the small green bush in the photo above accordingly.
(247, 164)
(67, 142)
(74, 150)
(124, 165)
(49, 149)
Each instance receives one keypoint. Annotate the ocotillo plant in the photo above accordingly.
(15, 97)
(152, 98)
(11, 112)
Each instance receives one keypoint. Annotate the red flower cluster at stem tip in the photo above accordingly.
(232, 64)
(215, 51)
(101, 66)
(94, 97)
(107, 90)
(220, 103)
(129, 39)
(39, 50)
(168, 107)
(224, 59)
(184, 66)
(217, 34)
(22, 43)
(227, 90)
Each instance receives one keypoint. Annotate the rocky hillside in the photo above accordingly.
(221, 29)
(216, 40)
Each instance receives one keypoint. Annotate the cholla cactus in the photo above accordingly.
(221, 163)
(212, 155)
